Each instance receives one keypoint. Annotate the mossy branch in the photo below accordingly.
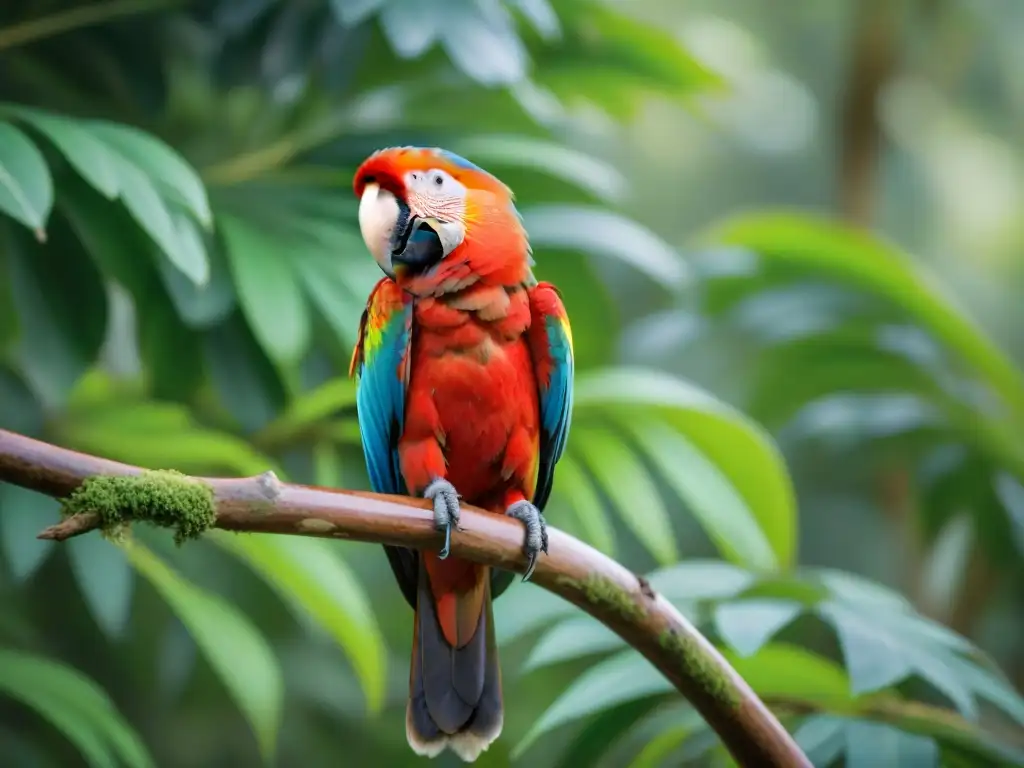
(102, 494)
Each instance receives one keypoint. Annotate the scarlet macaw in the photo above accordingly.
(465, 366)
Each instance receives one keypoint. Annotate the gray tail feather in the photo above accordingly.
(454, 693)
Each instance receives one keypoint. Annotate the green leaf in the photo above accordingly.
(310, 409)
(200, 305)
(526, 608)
(122, 437)
(858, 591)
(882, 643)
(106, 580)
(8, 314)
(495, 151)
(160, 162)
(822, 738)
(574, 487)
(838, 362)
(328, 284)
(20, 411)
(624, 677)
(570, 639)
(593, 310)
(613, 60)
(989, 686)
(111, 236)
(267, 290)
(740, 449)
(855, 258)
(869, 745)
(598, 231)
(26, 189)
(700, 580)
(84, 151)
(873, 659)
(309, 575)
(598, 741)
(23, 514)
(352, 12)
(625, 481)
(62, 309)
(237, 652)
(658, 749)
(786, 671)
(190, 258)
(152, 213)
(746, 625)
(708, 494)
(75, 705)
(169, 349)
(246, 381)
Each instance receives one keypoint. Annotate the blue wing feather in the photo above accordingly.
(380, 394)
(381, 359)
(556, 398)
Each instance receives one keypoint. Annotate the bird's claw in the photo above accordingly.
(536, 532)
(446, 510)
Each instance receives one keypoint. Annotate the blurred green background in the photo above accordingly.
(789, 239)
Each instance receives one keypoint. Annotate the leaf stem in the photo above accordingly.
(251, 164)
(77, 18)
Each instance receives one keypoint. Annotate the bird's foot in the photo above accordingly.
(446, 510)
(536, 532)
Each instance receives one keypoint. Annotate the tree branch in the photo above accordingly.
(576, 572)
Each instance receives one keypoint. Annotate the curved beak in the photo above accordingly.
(399, 242)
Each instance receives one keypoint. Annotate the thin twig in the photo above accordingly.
(575, 571)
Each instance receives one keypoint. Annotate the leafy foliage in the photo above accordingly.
(769, 629)
(895, 361)
(181, 277)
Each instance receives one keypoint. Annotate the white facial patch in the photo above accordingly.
(378, 214)
(438, 198)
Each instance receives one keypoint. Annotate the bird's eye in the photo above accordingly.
(438, 181)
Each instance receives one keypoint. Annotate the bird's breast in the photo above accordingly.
(484, 391)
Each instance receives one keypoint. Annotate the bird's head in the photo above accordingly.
(436, 223)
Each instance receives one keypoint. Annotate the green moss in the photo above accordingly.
(697, 666)
(162, 497)
(605, 592)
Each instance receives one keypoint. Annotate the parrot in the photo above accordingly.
(464, 367)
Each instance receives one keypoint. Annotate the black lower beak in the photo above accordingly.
(418, 248)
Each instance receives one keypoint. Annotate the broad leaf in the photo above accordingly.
(597, 231)
(701, 580)
(76, 706)
(160, 435)
(23, 514)
(738, 447)
(162, 163)
(237, 651)
(86, 153)
(106, 580)
(570, 639)
(315, 582)
(624, 677)
(26, 189)
(575, 489)
(858, 259)
(872, 744)
(268, 290)
(746, 625)
(496, 151)
(629, 486)
(720, 509)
